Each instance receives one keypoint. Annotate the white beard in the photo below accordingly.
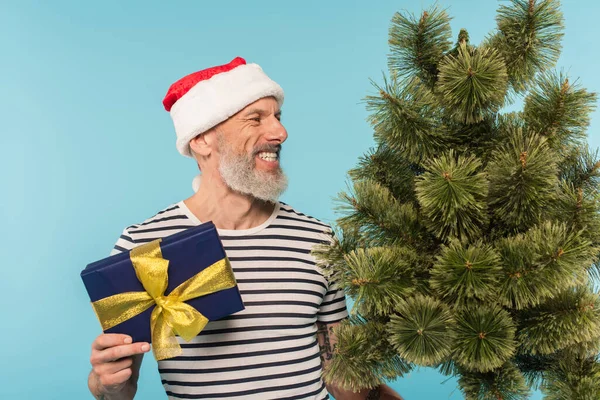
(240, 174)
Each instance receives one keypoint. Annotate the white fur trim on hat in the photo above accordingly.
(213, 101)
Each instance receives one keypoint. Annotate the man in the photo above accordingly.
(228, 118)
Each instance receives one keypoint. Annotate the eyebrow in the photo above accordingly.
(259, 111)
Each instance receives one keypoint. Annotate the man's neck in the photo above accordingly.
(227, 209)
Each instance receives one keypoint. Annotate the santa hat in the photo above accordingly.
(203, 99)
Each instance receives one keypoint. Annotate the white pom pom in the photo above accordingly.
(196, 182)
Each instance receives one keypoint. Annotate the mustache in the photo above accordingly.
(271, 148)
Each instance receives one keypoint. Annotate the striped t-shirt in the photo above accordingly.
(269, 350)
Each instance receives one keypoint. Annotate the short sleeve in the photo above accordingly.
(333, 308)
(124, 243)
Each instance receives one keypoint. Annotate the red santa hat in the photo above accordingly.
(203, 99)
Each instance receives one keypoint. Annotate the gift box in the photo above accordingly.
(167, 287)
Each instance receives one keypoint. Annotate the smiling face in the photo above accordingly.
(246, 150)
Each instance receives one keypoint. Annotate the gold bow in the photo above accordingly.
(171, 315)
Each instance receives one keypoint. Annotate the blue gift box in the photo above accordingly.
(189, 252)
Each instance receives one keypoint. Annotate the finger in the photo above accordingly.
(122, 351)
(107, 340)
(113, 367)
(115, 379)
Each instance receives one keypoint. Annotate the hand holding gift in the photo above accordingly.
(113, 356)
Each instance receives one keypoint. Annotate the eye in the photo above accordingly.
(257, 119)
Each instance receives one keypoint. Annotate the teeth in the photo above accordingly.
(267, 156)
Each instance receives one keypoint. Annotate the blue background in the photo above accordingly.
(87, 149)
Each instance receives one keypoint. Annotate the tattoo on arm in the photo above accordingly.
(323, 334)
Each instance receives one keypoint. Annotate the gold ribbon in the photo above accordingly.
(171, 315)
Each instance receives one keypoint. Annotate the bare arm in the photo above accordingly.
(327, 342)
(115, 367)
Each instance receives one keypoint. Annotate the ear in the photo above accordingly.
(203, 144)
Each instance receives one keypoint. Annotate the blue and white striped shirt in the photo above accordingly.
(269, 350)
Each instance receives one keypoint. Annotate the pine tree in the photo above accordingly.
(470, 237)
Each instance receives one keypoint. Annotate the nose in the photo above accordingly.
(277, 132)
